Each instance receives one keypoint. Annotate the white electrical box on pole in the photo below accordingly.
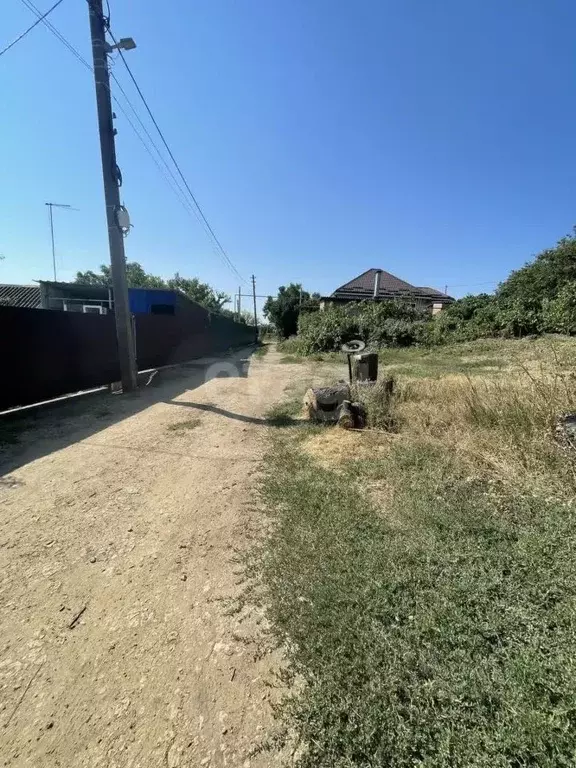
(116, 214)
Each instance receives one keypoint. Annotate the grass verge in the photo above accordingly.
(424, 589)
(261, 350)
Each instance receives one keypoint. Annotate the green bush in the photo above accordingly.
(538, 298)
(378, 324)
(559, 314)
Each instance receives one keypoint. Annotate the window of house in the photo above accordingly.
(161, 309)
(93, 309)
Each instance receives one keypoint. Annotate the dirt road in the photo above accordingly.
(118, 529)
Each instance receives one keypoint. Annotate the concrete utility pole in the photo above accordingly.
(255, 313)
(112, 196)
(239, 301)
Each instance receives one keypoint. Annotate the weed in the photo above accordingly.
(379, 400)
(261, 350)
(291, 359)
(283, 414)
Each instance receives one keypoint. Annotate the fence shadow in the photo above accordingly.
(29, 434)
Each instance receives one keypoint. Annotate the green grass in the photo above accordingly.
(181, 426)
(291, 359)
(449, 642)
(261, 350)
(474, 358)
(283, 414)
(423, 589)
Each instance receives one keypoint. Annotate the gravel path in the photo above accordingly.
(118, 528)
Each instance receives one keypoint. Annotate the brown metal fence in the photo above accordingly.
(46, 354)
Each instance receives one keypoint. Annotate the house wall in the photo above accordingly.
(56, 297)
(149, 300)
(437, 308)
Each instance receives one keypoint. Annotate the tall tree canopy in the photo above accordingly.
(284, 310)
(138, 278)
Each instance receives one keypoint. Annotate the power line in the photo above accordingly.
(468, 285)
(31, 7)
(174, 184)
(30, 28)
(162, 137)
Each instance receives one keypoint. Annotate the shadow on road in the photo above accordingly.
(29, 434)
(219, 411)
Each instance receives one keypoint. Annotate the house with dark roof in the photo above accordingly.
(379, 285)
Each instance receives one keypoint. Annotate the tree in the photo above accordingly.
(284, 310)
(246, 317)
(135, 275)
(544, 276)
(559, 314)
(201, 292)
(137, 278)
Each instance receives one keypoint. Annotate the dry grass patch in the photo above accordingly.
(331, 446)
(502, 426)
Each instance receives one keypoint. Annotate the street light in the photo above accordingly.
(51, 206)
(124, 44)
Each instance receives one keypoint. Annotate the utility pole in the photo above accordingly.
(255, 313)
(110, 176)
(239, 301)
(50, 207)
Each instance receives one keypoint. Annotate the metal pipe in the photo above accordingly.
(377, 278)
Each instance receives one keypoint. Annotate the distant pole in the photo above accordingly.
(239, 301)
(255, 312)
(50, 207)
(300, 301)
(445, 289)
(52, 236)
(106, 129)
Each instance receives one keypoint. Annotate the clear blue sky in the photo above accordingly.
(435, 139)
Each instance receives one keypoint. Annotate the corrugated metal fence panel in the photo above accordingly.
(226, 333)
(48, 353)
(167, 340)
(45, 354)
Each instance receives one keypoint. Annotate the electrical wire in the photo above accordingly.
(173, 181)
(162, 137)
(30, 28)
(31, 7)
(469, 285)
